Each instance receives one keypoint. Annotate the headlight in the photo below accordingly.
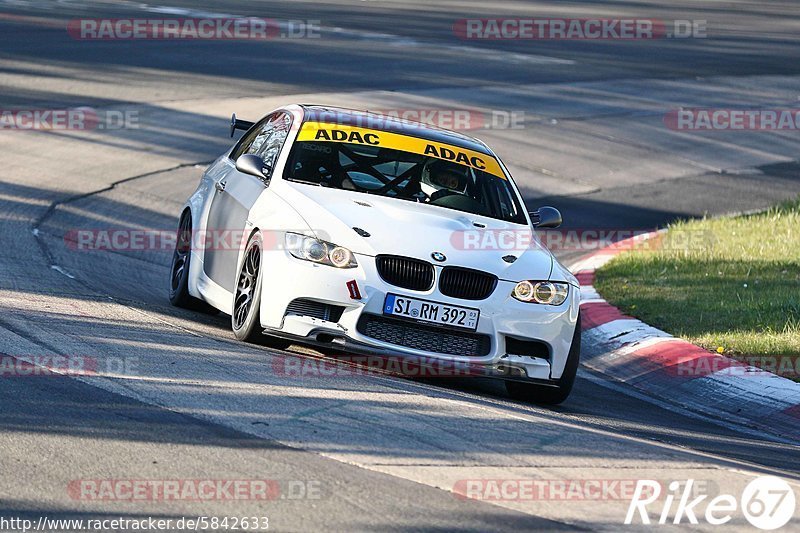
(541, 292)
(317, 251)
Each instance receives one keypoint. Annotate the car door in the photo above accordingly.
(235, 193)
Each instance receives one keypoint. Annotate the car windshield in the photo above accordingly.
(405, 175)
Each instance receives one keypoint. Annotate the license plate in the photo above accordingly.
(432, 312)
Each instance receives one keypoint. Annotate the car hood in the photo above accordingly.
(399, 227)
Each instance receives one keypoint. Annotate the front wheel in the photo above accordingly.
(528, 392)
(245, 319)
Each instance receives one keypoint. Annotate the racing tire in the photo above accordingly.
(246, 314)
(179, 271)
(528, 392)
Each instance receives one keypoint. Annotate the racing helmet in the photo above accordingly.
(440, 175)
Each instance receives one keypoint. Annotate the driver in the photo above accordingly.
(445, 177)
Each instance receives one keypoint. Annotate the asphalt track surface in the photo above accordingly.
(384, 453)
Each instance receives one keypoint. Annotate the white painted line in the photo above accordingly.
(646, 343)
(588, 292)
(62, 271)
(592, 263)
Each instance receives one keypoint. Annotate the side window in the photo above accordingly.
(269, 141)
(246, 141)
(265, 139)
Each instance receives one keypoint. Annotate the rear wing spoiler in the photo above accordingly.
(237, 124)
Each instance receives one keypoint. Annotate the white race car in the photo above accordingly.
(367, 234)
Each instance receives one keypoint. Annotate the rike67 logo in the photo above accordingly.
(767, 503)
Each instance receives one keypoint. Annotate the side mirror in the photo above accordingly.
(253, 165)
(546, 217)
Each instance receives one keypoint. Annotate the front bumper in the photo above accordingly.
(502, 317)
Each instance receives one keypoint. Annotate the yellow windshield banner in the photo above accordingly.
(324, 132)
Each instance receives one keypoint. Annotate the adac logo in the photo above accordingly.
(438, 256)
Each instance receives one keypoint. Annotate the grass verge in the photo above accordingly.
(729, 284)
